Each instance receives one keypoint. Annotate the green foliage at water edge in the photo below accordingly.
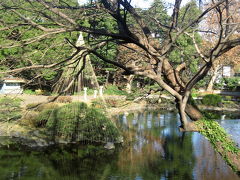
(217, 135)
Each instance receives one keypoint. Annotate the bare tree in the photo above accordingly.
(50, 18)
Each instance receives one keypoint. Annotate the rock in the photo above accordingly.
(109, 146)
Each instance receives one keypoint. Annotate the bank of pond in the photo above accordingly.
(153, 148)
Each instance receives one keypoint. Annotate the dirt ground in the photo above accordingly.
(29, 99)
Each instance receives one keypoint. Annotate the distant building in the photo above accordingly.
(11, 85)
(227, 71)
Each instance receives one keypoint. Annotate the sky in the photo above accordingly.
(147, 3)
(141, 3)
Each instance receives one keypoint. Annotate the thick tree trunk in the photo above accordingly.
(186, 125)
(193, 112)
(178, 85)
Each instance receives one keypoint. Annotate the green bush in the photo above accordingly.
(77, 122)
(228, 98)
(212, 100)
(232, 83)
(10, 109)
(211, 115)
(29, 119)
(230, 104)
(29, 91)
(194, 93)
(43, 117)
(113, 90)
(132, 96)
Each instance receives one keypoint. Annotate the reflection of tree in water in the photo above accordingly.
(71, 163)
(16, 165)
(209, 163)
(159, 150)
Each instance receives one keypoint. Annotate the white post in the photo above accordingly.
(85, 94)
(128, 88)
(95, 94)
(101, 91)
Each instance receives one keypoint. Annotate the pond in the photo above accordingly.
(233, 128)
(155, 150)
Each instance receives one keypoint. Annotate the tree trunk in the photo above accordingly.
(129, 83)
(177, 84)
(212, 80)
(186, 125)
(192, 110)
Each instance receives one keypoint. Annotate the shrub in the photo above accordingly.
(113, 90)
(212, 115)
(10, 109)
(29, 91)
(43, 117)
(212, 100)
(29, 118)
(232, 83)
(35, 119)
(228, 98)
(133, 96)
(230, 104)
(195, 94)
(39, 92)
(77, 122)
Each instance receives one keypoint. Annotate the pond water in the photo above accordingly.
(156, 150)
(233, 128)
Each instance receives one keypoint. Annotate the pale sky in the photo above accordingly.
(141, 3)
(147, 3)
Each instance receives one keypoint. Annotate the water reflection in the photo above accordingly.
(158, 151)
(162, 152)
(232, 127)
